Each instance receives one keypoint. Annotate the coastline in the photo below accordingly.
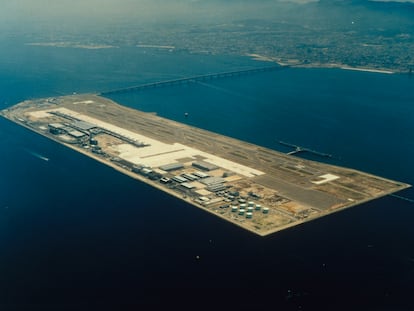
(344, 67)
(367, 70)
(296, 63)
(74, 45)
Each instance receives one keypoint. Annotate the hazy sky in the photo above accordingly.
(82, 7)
(91, 9)
(144, 10)
(17, 8)
(68, 10)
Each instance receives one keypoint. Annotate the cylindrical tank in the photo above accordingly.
(241, 211)
(249, 215)
(250, 209)
(265, 210)
(234, 208)
(258, 207)
(251, 203)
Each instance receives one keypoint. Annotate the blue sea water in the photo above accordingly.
(74, 232)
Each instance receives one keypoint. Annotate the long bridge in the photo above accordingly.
(193, 79)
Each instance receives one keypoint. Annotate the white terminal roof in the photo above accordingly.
(158, 153)
(57, 125)
(76, 134)
(83, 125)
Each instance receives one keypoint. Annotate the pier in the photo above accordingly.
(298, 149)
(193, 79)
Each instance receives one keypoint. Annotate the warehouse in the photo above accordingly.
(171, 167)
(214, 184)
(179, 179)
(212, 181)
(200, 174)
(205, 166)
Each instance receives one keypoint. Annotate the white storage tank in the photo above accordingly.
(234, 208)
(265, 210)
(258, 207)
(251, 203)
(249, 215)
(241, 211)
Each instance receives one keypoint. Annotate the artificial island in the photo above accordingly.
(256, 188)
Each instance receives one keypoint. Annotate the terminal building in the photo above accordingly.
(83, 126)
(56, 128)
(76, 134)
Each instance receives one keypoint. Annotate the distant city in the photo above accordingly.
(325, 35)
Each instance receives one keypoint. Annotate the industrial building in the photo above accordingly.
(165, 180)
(179, 179)
(187, 186)
(200, 174)
(171, 167)
(214, 184)
(212, 181)
(56, 128)
(190, 176)
(205, 166)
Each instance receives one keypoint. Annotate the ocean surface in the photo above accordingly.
(74, 232)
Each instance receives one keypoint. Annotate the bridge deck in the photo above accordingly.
(192, 79)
